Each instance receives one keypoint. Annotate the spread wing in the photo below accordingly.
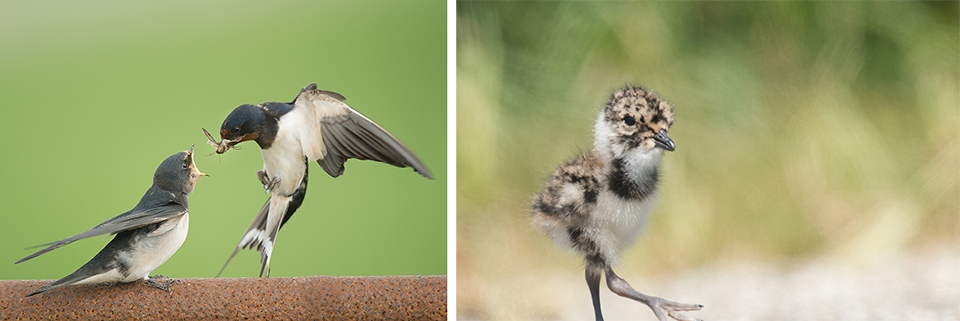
(134, 218)
(343, 133)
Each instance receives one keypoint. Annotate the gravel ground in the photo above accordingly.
(913, 286)
(917, 285)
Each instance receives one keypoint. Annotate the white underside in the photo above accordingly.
(149, 252)
(158, 246)
(109, 276)
(614, 225)
(620, 225)
(284, 158)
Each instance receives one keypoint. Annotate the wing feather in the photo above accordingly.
(344, 133)
(130, 220)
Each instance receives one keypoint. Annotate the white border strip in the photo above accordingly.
(451, 160)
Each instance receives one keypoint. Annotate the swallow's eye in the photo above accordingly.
(629, 121)
(235, 129)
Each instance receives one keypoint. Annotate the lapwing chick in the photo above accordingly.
(147, 235)
(598, 203)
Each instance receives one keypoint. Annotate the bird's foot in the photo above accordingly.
(662, 308)
(268, 184)
(263, 178)
(164, 285)
(273, 183)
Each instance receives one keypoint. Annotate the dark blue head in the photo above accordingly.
(244, 123)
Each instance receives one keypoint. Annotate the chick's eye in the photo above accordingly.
(629, 121)
(185, 165)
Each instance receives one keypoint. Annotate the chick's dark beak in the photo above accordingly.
(664, 141)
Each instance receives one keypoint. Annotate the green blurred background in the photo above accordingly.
(96, 94)
(803, 130)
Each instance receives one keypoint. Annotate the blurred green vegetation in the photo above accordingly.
(97, 93)
(803, 129)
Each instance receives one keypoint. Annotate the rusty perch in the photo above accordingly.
(300, 298)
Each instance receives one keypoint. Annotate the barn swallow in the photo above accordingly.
(598, 204)
(147, 235)
(315, 127)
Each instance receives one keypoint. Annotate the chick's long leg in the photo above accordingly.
(593, 282)
(662, 308)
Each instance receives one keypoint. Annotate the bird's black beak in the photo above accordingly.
(664, 141)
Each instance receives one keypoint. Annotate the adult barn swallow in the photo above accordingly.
(315, 127)
(147, 235)
(598, 204)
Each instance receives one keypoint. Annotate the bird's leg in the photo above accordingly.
(263, 178)
(268, 184)
(163, 286)
(662, 308)
(593, 282)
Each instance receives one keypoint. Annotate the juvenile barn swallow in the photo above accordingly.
(598, 204)
(147, 235)
(315, 127)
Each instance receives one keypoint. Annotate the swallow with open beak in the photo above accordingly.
(146, 236)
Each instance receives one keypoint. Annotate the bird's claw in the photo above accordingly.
(663, 308)
(273, 183)
(263, 178)
(268, 184)
(164, 285)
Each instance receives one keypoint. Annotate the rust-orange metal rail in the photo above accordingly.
(298, 298)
